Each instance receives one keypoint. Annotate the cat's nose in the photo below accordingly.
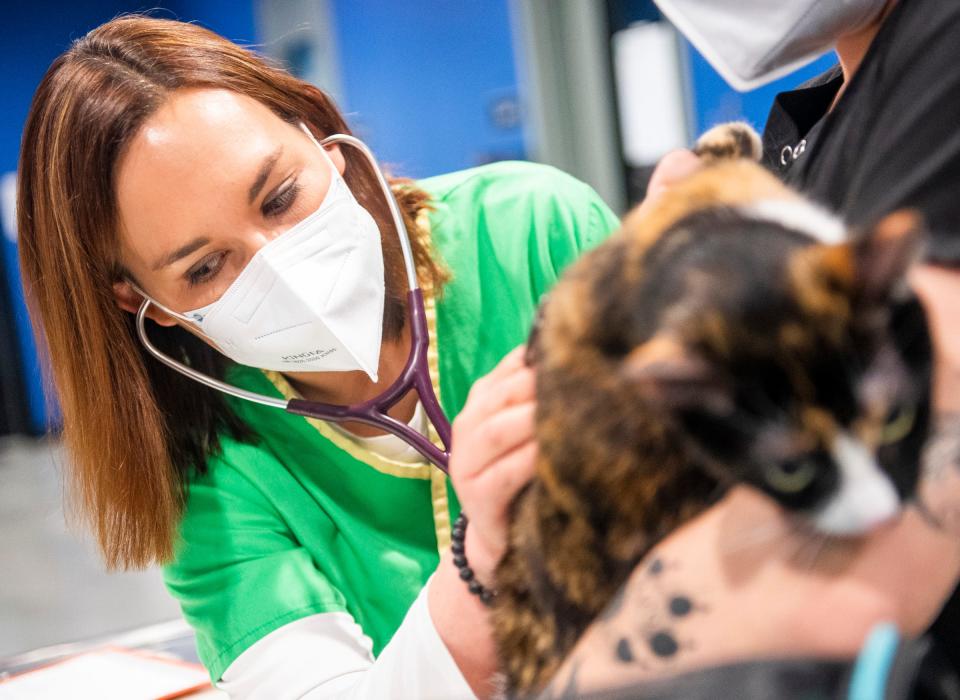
(856, 512)
(865, 497)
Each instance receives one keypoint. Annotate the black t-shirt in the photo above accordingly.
(893, 139)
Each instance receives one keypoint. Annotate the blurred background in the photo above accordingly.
(599, 88)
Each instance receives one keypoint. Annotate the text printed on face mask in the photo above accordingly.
(309, 356)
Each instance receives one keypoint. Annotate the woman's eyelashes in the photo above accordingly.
(272, 207)
(281, 202)
(206, 269)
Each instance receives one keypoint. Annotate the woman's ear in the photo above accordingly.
(332, 150)
(336, 155)
(129, 299)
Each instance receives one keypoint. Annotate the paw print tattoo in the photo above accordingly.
(658, 607)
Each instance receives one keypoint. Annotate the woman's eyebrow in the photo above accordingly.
(263, 174)
(181, 252)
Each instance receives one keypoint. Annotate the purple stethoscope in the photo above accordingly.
(415, 374)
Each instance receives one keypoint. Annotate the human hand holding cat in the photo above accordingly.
(740, 582)
(717, 342)
(673, 167)
(723, 142)
(493, 456)
(938, 287)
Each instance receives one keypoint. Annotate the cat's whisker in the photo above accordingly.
(818, 542)
(802, 539)
(764, 534)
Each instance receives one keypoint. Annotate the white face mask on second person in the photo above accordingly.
(752, 42)
(311, 299)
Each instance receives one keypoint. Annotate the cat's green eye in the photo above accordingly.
(791, 477)
(898, 425)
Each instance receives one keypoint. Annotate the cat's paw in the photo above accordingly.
(728, 142)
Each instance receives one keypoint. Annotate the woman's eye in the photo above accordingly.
(206, 269)
(792, 476)
(898, 425)
(281, 202)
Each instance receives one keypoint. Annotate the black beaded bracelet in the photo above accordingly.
(460, 561)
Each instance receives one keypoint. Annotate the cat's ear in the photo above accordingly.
(665, 372)
(872, 264)
(884, 252)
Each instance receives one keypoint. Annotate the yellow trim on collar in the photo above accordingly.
(404, 470)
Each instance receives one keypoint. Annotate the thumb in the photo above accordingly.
(672, 168)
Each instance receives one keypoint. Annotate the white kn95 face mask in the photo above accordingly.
(311, 299)
(752, 42)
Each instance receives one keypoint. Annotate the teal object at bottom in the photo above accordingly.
(869, 680)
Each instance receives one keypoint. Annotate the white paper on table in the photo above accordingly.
(108, 674)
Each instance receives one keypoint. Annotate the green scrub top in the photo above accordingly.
(306, 521)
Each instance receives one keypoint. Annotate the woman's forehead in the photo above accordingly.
(203, 129)
(191, 162)
(198, 122)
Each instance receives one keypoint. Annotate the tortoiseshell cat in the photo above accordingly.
(727, 334)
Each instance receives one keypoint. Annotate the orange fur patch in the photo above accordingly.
(732, 184)
(820, 423)
(815, 274)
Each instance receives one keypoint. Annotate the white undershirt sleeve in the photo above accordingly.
(328, 657)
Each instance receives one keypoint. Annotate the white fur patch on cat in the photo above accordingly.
(865, 496)
(799, 215)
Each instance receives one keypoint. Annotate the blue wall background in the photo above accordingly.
(32, 35)
(425, 80)
(714, 101)
(35, 33)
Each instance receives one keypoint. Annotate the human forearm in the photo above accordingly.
(741, 582)
(939, 289)
(328, 657)
(494, 453)
(463, 622)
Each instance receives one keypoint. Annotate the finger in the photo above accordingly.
(511, 362)
(504, 432)
(513, 471)
(519, 387)
(672, 168)
(476, 447)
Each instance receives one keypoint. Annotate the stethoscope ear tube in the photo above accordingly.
(194, 374)
(408, 261)
(415, 375)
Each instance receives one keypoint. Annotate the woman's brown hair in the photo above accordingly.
(135, 430)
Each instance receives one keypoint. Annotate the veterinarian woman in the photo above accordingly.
(161, 161)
